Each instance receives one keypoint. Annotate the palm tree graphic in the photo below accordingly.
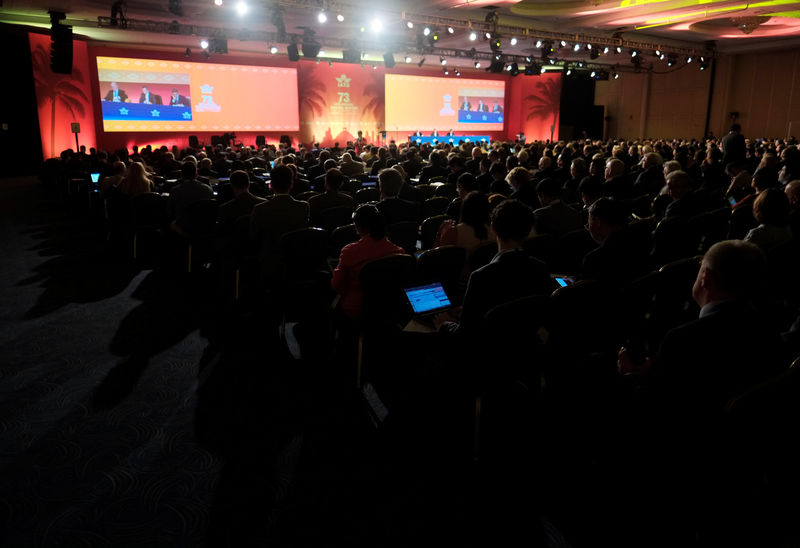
(312, 97)
(545, 102)
(375, 91)
(57, 90)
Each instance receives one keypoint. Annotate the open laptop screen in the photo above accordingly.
(427, 298)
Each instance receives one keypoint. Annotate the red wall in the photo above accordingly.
(531, 103)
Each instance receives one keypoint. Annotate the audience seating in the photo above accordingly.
(435, 206)
(341, 236)
(443, 264)
(199, 232)
(405, 234)
(367, 195)
(448, 190)
(482, 255)
(149, 216)
(331, 219)
(429, 229)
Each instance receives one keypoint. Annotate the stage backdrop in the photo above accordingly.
(62, 98)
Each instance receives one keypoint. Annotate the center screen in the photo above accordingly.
(153, 95)
(426, 103)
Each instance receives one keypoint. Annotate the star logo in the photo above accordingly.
(343, 81)
(123, 111)
(485, 117)
(469, 116)
(499, 118)
(187, 115)
(206, 89)
(155, 113)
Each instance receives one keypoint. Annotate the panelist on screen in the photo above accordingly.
(434, 133)
(149, 98)
(451, 133)
(115, 94)
(417, 133)
(481, 106)
(497, 108)
(178, 100)
(466, 105)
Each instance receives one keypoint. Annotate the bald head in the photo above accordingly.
(792, 191)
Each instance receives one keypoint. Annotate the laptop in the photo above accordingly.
(95, 177)
(426, 301)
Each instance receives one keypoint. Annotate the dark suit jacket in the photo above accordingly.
(734, 148)
(510, 275)
(411, 194)
(557, 218)
(179, 100)
(185, 193)
(621, 259)
(328, 200)
(154, 98)
(619, 188)
(396, 210)
(412, 169)
(650, 182)
(433, 171)
(271, 220)
(240, 206)
(110, 95)
(685, 208)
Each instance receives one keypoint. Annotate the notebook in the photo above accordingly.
(426, 301)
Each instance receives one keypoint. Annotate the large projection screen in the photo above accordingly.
(426, 103)
(155, 95)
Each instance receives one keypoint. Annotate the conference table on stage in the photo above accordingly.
(419, 139)
(144, 112)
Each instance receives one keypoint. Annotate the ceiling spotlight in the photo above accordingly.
(473, 36)
(508, 68)
(616, 76)
(374, 67)
(606, 49)
(273, 50)
(658, 53)
(497, 57)
(703, 66)
(217, 2)
(576, 47)
(702, 59)
(513, 41)
(450, 30)
(204, 44)
(689, 59)
(528, 59)
(241, 7)
(580, 64)
(552, 61)
(322, 17)
(593, 74)
(634, 53)
(588, 46)
(426, 31)
(569, 71)
(410, 24)
(618, 49)
(339, 17)
(670, 60)
(408, 58)
(541, 70)
(435, 36)
(563, 43)
(662, 56)
(458, 72)
(376, 25)
(421, 61)
(538, 43)
(443, 60)
(477, 64)
(446, 72)
(488, 35)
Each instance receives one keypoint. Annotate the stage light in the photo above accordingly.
(606, 49)
(497, 57)
(576, 47)
(508, 68)
(374, 67)
(634, 53)
(513, 69)
(458, 72)
(552, 61)
(322, 17)
(703, 66)
(446, 72)
(618, 49)
(339, 17)
(580, 64)
(670, 61)
(450, 30)
(408, 58)
(241, 8)
(443, 60)
(426, 31)
(662, 56)
(658, 53)
(528, 59)
(616, 75)
(593, 74)
(217, 2)
(410, 24)
(488, 35)
(473, 36)
(702, 59)
(421, 61)
(495, 44)
(689, 59)
(477, 64)
(376, 25)
(513, 41)
(538, 43)
(273, 50)
(563, 43)
(435, 36)
(362, 28)
(204, 44)
(541, 70)
(588, 46)
(569, 70)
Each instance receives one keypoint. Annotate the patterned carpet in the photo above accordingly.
(138, 409)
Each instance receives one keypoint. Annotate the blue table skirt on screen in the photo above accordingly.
(475, 117)
(445, 139)
(137, 112)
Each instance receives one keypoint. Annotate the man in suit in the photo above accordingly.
(511, 274)
(186, 192)
(481, 106)
(319, 168)
(617, 185)
(331, 197)
(149, 98)
(554, 217)
(177, 100)
(434, 133)
(115, 94)
(274, 218)
(473, 164)
(497, 108)
(466, 105)
(318, 183)
(684, 205)
(412, 164)
(734, 147)
(651, 179)
(394, 208)
(242, 204)
(435, 168)
(349, 166)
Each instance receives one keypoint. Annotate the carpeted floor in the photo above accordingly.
(138, 409)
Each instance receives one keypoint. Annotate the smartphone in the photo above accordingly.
(95, 177)
(563, 281)
(732, 200)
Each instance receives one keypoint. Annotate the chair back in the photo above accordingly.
(437, 179)
(304, 196)
(332, 218)
(405, 234)
(674, 304)
(382, 283)
(429, 230)
(341, 236)
(448, 190)
(435, 206)
(641, 206)
(201, 219)
(543, 247)
(443, 264)
(149, 210)
(367, 195)
(482, 255)
(427, 190)
(305, 252)
(573, 247)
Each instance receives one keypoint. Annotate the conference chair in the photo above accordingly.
(674, 304)
(243, 255)
(448, 190)
(304, 196)
(573, 247)
(429, 229)
(367, 195)
(435, 206)
(332, 218)
(405, 234)
(482, 255)
(442, 264)
(385, 308)
(426, 189)
(340, 237)
(149, 213)
(543, 247)
(199, 232)
(304, 290)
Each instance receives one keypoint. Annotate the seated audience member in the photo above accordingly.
(545, 170)
(407, 191)
(771, 212)
(523, 187)
(113, 180)
(136, 181)
(350, 167)
(242, 203)
(319, 168)
(495, 200)
(702, 364)
(412, 165)
(792, 191)
(436, 167)
(650, 180)
(742, 219)
(498, 185)
(393, 208)
(511, 274)
(617, 185)
(466, 183)
(456, 165)
(274, 218)
(577, 171)
(554, 217)
(473, 164)
(484, 178)
(331, 197)
(205, 169)
(372, 244)
(318, 183)
(620, 257)
(740, 181)
(683, 205)
(591, 190)
(187, 191)
(472, 228)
